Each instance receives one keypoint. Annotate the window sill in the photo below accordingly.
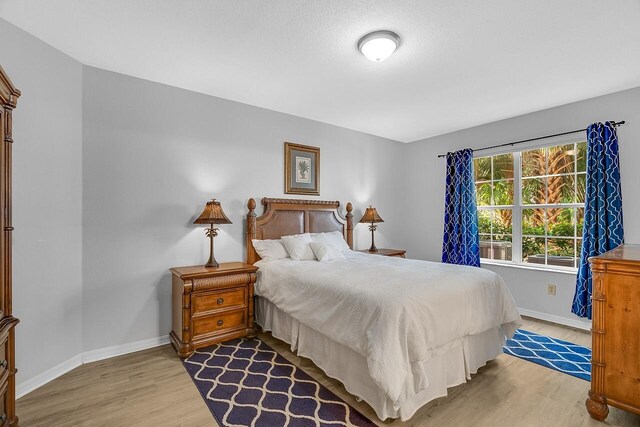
(565, 270)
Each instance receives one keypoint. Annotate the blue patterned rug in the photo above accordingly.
(246, 383)
(562, 356)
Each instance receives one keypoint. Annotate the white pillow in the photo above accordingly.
(298, 246)
(326, 251)
(270, 250)
(334, 238)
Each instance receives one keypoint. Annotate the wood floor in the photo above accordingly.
(151, 388)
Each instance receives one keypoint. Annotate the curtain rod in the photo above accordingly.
(615, 124)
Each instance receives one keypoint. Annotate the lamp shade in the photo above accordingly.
(371, 215)
(212, 214)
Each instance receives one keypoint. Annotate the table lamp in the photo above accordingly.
(371, 216)
(212, 214)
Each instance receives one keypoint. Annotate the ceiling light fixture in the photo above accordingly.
(379, 45)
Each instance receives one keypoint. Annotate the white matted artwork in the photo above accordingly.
(301, 169)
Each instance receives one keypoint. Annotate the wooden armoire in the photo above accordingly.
(8, 99)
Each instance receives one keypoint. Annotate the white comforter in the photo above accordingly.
(393, 311)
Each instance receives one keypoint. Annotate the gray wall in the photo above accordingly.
(152, 156)
(47, 201)
(426, 172)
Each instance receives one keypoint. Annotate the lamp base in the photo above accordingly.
(373, 228)
(211, 233)
(212, 264)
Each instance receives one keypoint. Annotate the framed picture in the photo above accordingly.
(301, 169)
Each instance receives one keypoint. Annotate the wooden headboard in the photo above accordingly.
(283, 217)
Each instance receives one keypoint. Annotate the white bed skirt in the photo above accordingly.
(450, 365)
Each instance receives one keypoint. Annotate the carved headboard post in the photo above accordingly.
(251, 231)
(349, 225)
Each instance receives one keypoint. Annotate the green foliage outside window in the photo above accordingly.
(550, 176)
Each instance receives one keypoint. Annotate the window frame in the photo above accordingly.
(517, 207)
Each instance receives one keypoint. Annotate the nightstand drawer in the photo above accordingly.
(217, 323)
(217, 300)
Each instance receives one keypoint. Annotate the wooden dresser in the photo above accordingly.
(8, 99)
(615, 363)
(211, 305)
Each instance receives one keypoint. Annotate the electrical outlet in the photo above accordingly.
(551, 289)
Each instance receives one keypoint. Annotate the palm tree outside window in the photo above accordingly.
(531, 205)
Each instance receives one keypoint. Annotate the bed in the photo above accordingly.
(396, 332)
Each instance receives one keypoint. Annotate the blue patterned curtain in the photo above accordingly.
(460, 244)
(603, 208)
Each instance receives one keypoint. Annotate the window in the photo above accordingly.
(531, 205)
(494, 193)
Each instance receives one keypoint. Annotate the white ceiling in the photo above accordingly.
(461, 63)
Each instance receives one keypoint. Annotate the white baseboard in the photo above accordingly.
(119, 350)
(39, 380)
(574, 323)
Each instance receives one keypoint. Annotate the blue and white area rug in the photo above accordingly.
(246, 383)
(562, 356)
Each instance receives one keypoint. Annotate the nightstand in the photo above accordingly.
(211, 305)
(386, 252)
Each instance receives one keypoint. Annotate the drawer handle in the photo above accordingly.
(4, 364)
(220, 322)
(220, 301)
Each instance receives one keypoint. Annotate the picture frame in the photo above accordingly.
(301, 169)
